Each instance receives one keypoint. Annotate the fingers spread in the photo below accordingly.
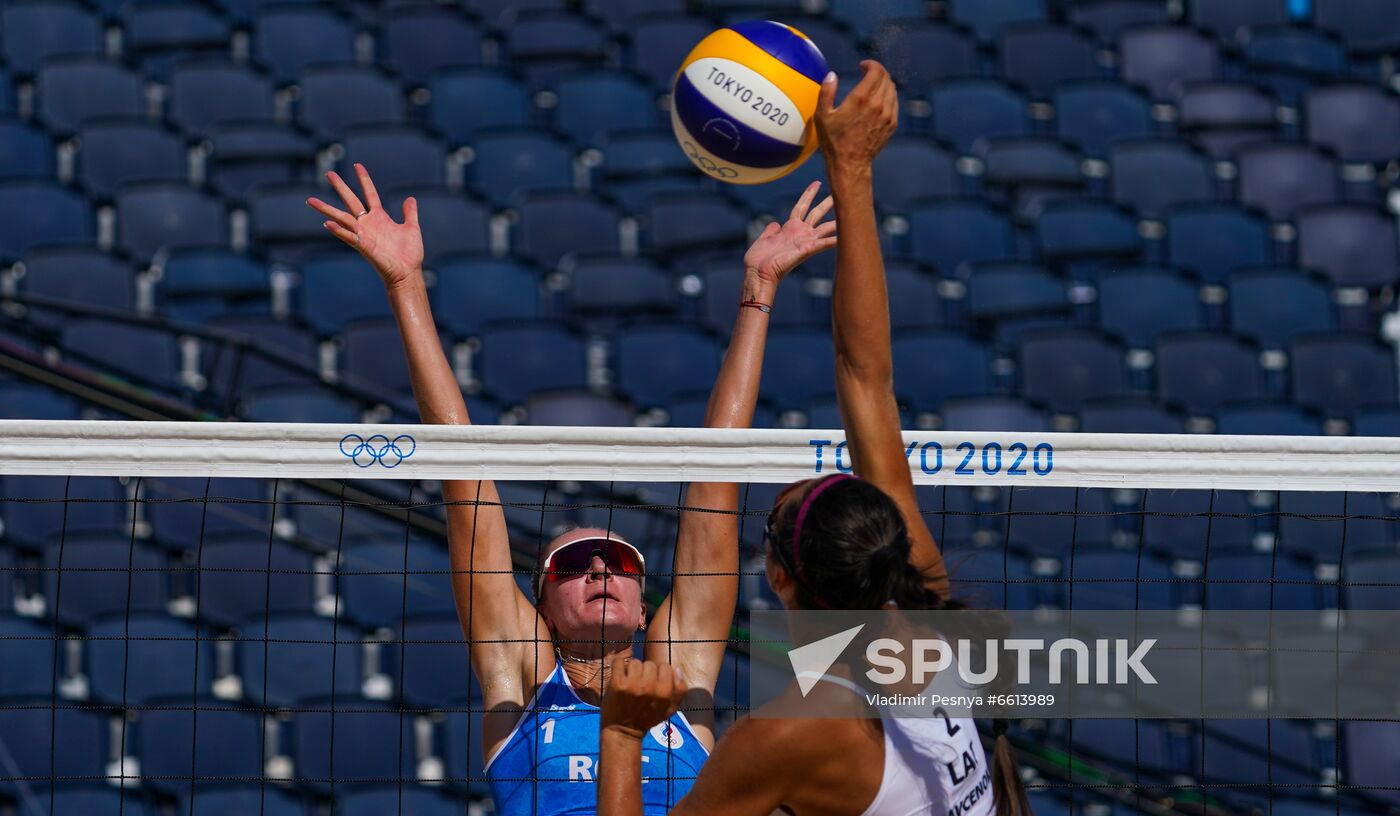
(343, 234)
(799, 210)
(824, 244)
(334, 213)
(825, 229)
(352, 201)
(367, 184)
(819, 212)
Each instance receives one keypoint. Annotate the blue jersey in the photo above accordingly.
(549, 764)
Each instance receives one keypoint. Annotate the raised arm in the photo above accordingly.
(691, 625)
(495, 615)
(851, 136)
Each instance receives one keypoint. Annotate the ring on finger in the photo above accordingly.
(362, 215)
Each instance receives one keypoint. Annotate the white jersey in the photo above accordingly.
(933, 765)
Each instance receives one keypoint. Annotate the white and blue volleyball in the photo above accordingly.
(743, 102)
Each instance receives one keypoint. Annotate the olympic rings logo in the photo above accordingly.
(378, 449)
(707, 164)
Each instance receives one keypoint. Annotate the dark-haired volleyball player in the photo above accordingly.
(842, 542)
(543, 665)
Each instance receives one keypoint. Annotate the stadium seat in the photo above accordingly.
(397, 157)
(58, 740)
(32, 31)
(472, 291)
(1212, 240)
(1254, 581)
(1281, 179)
(144, 354)
(1119, 579)
(212, 740)
(228, 592)
(622, 14)
(866, 18)
(235, 799)
(501, 14)
(1140, 303)
(995, 414)
(1266, 419)
(992, 579)
(1083, 229)
(555, 227)
(277, 354)
(462, 745)
(722, 281)
(1360, 123)
(291, 38)
(33, 523)
(1326, 526)
(381, 582)
(1353, 245)
(21, 401)
(967, 113)
(933, 366)
(29, 668)
(1107, 18)
(1054, 522)
(302, 657)
(105, 576)
(182, 520)
(421, 801)
(1224, 116)
(1141, 746)
(1272, 306)
(921, 52)
(157, 217)
(41, 214)
(1232, 20)
(519, 358)
(335, 99)
(114, 153)
(914, 299)
(26, 152)
(797, 367)
(1129, 415)
(1366, 26)
(352, 741)
(84, 277)
(912, 168)
(372, 358)
(1201, 371)
(1152, 176)
(1064, 367)
(209, 93)
(160, 35)
(1041, 56)
(548, 45)
(843, 52)
(337, 288)
(1370, 580)
(638, 164)
(604, 288)
(1095, 115)
(510, 161)
(1025, 173)
(419, 42)
(1187, 524)
(578, 408)
(199, 283)
(1290, 59)
(988, 19)
(948, 235)
(246, 157)
(681, 223)
(452, 222)
(656, 363)
(1163, 58)
(1370, 748)
(465, 101)
(299, 404)
(1007, 291)
(1338, 374)
(134, 659)
(660, 42)
(589, 105)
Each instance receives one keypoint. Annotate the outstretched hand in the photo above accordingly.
(641, 694)
(783, 247)
(855, 133)
(395, 250)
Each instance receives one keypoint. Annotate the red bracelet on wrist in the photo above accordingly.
(753, 304)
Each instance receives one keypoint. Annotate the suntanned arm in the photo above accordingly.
(495, 615)
(691, 626)
(860, 304)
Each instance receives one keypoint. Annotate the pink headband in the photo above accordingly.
(807, 503)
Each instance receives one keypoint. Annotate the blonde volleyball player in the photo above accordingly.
(543, 665)
(842, 542)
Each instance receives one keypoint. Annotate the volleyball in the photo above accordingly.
(743, 101)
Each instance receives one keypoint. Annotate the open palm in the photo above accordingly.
(395, 250)
(781, 248)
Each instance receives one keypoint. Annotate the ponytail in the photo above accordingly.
(908, 587)
(1010, 794)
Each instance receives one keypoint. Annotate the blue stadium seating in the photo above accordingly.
(992, 579)
(137, 352)
(462, 746)
(1083, 230)
(287, 659)
(1041, 56)
(1272, 306)
(472, 291)
(1107, 18)
(1369, 747)
(518, 359)
(638, 164)
(172, 661)
(1366, 26)
(32, 31)
(157, 217)
(1281, 179)
(1130, 415)
(914, 298)
(1232, 20)
(335, 99)
(1186, 524)
(380, 583)
(1201, 371)
(1026, 173)
(289, 39)
(26, 152)
(1326, 526)
(921, 52)
(372, 357)
(655, 363)
(999, 292)
(500, 14)
(409, 799)
(578, 408)
(1267, 418)
(248, 156)
(589, 105)
(215, 739)
(29, 670)
(42, 214)
(993, 414)
(199, 283)
(1370, 580)
(1163, 58)
(59, 741)
(396, 157)
(1224, 116)
(33, 523)
(352, 741)
(948, 235)
(106, 576)
(969, 112)
(300, 404)
(124, 152)
(208, 93)
(80, 276)
(232, 800)
(1259, 581)
(909, 169)
(1212, 240)
(547, 45)
(228, 592)
(1063, 368)
(797, 367)
(511, 161)
(865, 18)
(1120, 579)
(1094, 115)
(1152, 176)
(1140, 303)
(1339, 374)
(90, 798)
(1055, 522)
(989, 18)
(75, 91)
(280, 354)
(467, 100)
(162, 35)
(933, 366)
(417, 43)
(1360, 123)
(682, 223)
(337, 288)
(557, 226)
(604, 287)
(1289, 59)
(660, 42)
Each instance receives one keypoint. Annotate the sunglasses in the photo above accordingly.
(576, 559)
